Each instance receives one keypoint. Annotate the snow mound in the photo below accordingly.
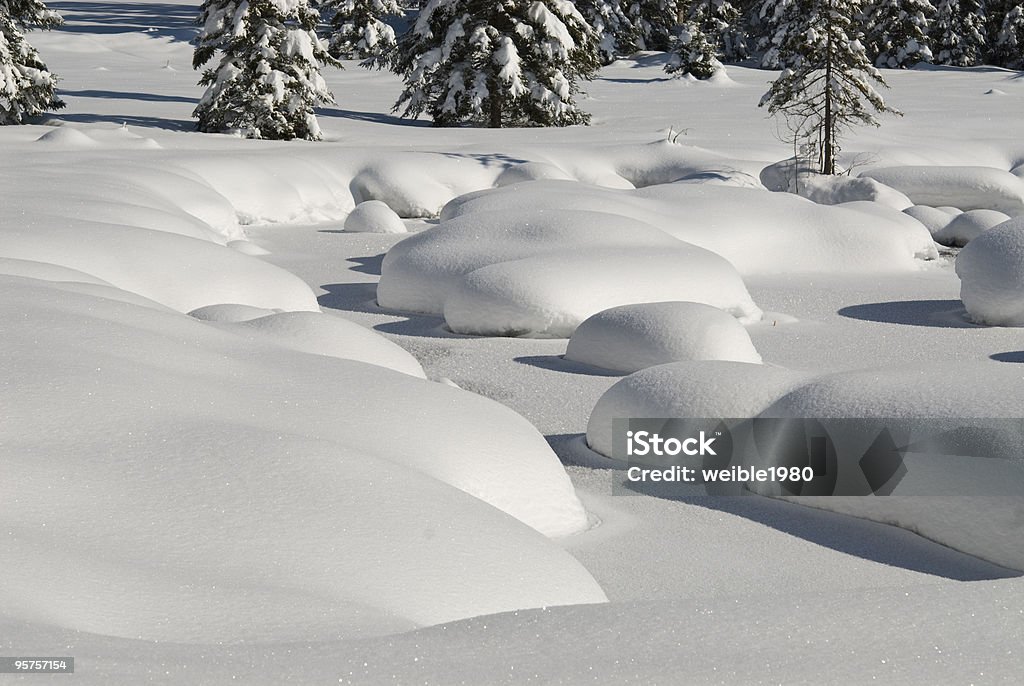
(968, 188)
(633, 337)
(758, 231)
(530, 171)
(248, 248)
(991, 271)
(68, 137)
(242, 491)
(228, 312)
(374, 216)
(323, 334)
(419, 184)
(933, 218)
(543, 272)
(45, 271)
(835, 190)
(689, 390)
(968, 225)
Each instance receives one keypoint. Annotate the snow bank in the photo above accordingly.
(227, 312)
(633, 337)
(324, 334)
(759, 232)
(215, 491)
(967, 226)
(543, 272)
(374, 216)
(968, 188)
(835, 190)
(933, 218)
(991, 271)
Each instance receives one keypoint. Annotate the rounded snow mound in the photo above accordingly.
(991, 271)
(530, 171)
(543, 272)
(229, 312)
(67, 136)
(934, 219)
(758, 231)
(632, 337)
(319, 333)
(967, 226)
(714, 389)
(374, 216)
(969, 188)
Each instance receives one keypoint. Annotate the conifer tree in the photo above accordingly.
(897, 32)
(830, 83)
(267, 80)
(359, 29)
(720, 21)
(774, 19)
(694, 53)
(615, 32)
(1008, 48)
(653, 24)
(958, 33)
(509, 63)
(27, 88)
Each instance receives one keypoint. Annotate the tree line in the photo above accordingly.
(521, 62)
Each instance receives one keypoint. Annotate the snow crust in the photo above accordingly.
(991, 271)
(632, 337)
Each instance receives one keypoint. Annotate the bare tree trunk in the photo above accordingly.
(497, 101)
(828, 157)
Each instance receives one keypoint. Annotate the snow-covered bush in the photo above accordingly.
(897, 32)
(267, 80)
(26, 85)
(515, 63)
(359, 29)
(991, 271)
(632, 337)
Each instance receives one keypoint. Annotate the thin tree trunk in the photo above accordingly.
(497, 102)
(828, 158)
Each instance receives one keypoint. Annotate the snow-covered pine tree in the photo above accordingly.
(774, 20)
(509, 63)
(958, 33)
(694, 53)
(897, 32)
(613, 28)
(27, 87)
(1008, 48)
(359, 29)
(267, 81)
(721, 22)
(653, 24)
(830, 83)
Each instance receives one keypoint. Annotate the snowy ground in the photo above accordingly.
(259, 498)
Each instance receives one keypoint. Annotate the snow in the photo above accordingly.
(967, 188)
(631, 337)
(374, 216)
(991, 271)
(280, 514)
(967, 226)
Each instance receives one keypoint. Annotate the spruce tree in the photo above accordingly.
(614, 31)
(897, 32)
(720, 21)
(653, 24)
(27, 88)
(695, 53)
(775, 19)
(830, 83)
(958, 33)
(1008, 48)
(509, 63)
(267, 80)
(358, 28)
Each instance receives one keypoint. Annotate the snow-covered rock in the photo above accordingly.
(543, 272)
(991, 271)
(967, 226)
(968, 188)
(374, 216)
(632, 337)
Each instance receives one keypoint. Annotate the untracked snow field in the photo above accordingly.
(341, 412)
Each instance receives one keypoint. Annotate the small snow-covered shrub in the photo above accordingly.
(374, 216)
(632, 337)
(991, 271)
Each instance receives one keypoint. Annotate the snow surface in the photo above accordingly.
(374, 216)
(967, 226)
(968, 188)
(631, 337)
(109, 387)
(991, 271)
